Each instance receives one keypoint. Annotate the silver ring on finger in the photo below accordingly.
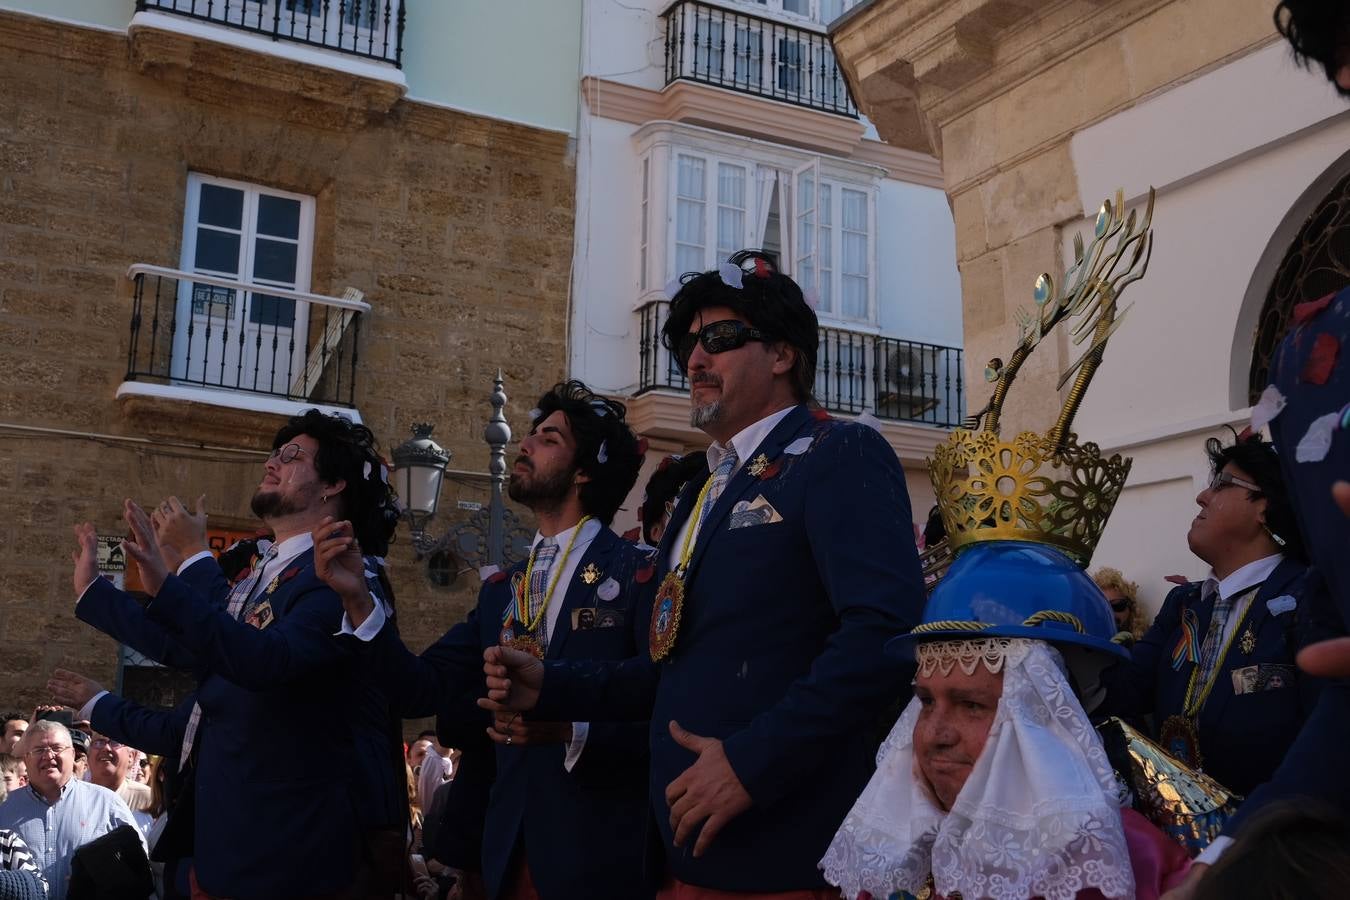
(508, 740)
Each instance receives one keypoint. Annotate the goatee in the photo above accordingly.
(540, 493)
(271, 504)
(702, 416)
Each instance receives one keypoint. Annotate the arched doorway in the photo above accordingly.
(1310, 255)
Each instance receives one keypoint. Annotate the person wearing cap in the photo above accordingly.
(1216, 669)
(783, 574)
(994, 782)
(566, 811)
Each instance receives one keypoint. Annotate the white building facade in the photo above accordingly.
(708, 127)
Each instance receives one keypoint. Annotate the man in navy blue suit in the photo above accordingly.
(262, 650)
(1216, 670)
(567, 808)
(782, 575)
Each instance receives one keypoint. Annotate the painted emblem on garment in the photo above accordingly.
(591, 574)
(1248, 642)
(758, 465)
(666, 616)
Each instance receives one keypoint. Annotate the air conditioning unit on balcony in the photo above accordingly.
(906, 382)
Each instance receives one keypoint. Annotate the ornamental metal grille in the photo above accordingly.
(1317, 263)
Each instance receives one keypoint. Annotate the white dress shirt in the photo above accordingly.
(746, 442)
(1238, 582)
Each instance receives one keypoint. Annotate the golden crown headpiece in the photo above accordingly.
(1047, 488)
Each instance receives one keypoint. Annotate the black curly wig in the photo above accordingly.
(1319, 31)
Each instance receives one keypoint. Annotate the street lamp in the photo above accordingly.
(419, 467)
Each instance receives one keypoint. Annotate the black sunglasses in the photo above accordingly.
(718, 337)
(1120, 605)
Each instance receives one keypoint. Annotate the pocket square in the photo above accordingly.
(759, 512)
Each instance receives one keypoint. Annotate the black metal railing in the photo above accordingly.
(755, 55)
(855, 372)
(206, 331)
(369, 28)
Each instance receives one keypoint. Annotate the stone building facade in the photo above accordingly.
(457, 228)
(1038, 112)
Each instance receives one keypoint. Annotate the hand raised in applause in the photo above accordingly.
(513, 730)
(338, 562)
(142, 547)
(85, 558)
(514, 679)
(707, 793)
(181, 534)
(72, 688)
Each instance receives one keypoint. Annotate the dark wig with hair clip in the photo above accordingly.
(1259, 460)
(1317, 30)
(345, 451)
(607, 450)
(665, 485)
(769, 300)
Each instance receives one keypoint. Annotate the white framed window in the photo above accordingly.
(710, 195)
(243, 232)
(711, 210)
(821, 11)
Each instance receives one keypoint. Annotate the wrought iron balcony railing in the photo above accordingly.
(756, 55)
(855, 372)
(206, 331)
(368, 28)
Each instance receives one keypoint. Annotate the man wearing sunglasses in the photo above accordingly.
(782, 575)
(1216, 670)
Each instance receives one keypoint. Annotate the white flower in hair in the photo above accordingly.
(731, 274)
(365, 470)
(602, 455)
(535, 413)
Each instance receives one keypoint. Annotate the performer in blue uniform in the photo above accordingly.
(1216, 670)
(782, 575)
(567, 808)
(262, 649)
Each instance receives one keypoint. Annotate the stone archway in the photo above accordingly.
(1308, 257)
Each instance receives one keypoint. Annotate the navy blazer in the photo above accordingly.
(780, 654)
(581, 831)
(266, 824)
(1243, 737)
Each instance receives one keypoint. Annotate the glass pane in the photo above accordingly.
(221, 206)
(730, 231)
(688, 259)
(274, 261)
(731, 185)
(806, 192)
(855, 297)
(709, 51)
(801, 7)
(278, 216)
(826, 206)
(749, 54)
(855, 253)
(790, 56)
(689, 222)
(217, 251)
(264, 309)
(855, 209)
(689, 178)
(825, 288)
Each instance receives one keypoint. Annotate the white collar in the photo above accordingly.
(1243, 578)
(588, 533)
(747, 440)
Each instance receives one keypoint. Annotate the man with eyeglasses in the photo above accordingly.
(56, 813)
(1216, 669)
(261, 650)
(110, 767)
(781, 575)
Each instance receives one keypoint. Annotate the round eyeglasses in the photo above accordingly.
(287, 453)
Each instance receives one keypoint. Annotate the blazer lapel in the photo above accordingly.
(578, 592)
(1272, 587)
(771, 447)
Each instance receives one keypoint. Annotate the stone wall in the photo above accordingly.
(458, 228)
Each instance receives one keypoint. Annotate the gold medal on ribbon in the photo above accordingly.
(527, 644)
(666, 616)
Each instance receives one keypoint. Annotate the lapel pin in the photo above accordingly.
(758, 465)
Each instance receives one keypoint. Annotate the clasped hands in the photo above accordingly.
(156, 542)
(704, 798)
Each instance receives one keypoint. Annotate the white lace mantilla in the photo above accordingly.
(1036, 818)
(943, 656)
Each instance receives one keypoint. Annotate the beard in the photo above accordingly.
(708, 413)
(539, 493)
(271, 505)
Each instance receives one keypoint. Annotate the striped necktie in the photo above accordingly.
(539, 578)
(720, 476)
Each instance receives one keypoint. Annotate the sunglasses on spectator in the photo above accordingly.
(1120, 605)
(718, 337)
(1222, 480)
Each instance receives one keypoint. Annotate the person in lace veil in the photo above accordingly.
(993, 783)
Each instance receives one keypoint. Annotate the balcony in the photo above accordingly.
(372, 29)
(894, 379)
(754, 55)
(218, 335)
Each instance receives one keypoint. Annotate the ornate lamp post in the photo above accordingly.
(419, 468)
